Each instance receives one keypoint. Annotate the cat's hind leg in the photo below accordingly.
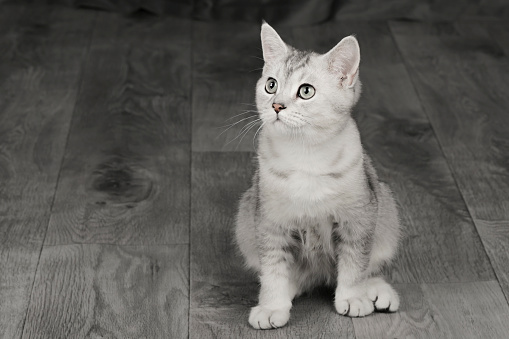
(245, 230)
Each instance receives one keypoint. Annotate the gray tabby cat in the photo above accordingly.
(316, 212)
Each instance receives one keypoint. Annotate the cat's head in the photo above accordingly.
(305, 93)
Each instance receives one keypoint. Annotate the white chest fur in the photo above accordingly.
(300, 181)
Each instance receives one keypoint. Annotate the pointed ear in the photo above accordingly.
(344, 60)
(272, 44)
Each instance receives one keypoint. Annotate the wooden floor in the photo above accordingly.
(118, 193)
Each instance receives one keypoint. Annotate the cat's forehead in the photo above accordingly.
(297, 61)
(295, 66)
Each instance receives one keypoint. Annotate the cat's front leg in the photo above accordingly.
(357, 293)
(351, 297)
(277, 290)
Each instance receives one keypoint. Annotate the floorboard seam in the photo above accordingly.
(407, 68)
(80, 81)
(191, 93)
(24, 10)
(118, 245)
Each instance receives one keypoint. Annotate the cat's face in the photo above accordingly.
(303, 93)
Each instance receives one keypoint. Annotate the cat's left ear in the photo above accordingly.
(344, 60)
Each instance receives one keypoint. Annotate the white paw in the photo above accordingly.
(383, 296)
(357, 306)
(365, 298)
(262, 318)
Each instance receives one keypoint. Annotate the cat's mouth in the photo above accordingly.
(284, 122)
(278, 121)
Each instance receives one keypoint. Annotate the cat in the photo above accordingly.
(316, 213)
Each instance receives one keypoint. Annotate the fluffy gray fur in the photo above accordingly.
(316, 212)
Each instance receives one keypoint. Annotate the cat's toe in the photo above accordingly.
(342, 307)
(262, 318)
(384, 297)
(367, 307)
(387, 302)
(355, 307)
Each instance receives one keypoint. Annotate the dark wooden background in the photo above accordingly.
(118, 190)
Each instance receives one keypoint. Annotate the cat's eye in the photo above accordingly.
(271, 86)
(306, 91)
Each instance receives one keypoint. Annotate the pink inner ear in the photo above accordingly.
(352, 77)
(344, 59)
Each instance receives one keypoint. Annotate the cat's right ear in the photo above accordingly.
(273, 46)
(344, 61)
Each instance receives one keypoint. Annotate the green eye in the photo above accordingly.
(306, 91)
(271, 86)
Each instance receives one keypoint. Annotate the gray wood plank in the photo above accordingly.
(495, 236)
(107, 291)
(466, 100)
(18, 265)
(41, 55)
(42, 64)
(222, 292)
(466, 106)
(414, 319)
(457, 310)
(440, 242)
(125, 176)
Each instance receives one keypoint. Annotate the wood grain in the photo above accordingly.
(495, 236)
(125, 176)
(18, 264)
(103, 291)
(222, 291)
(42, 64)
(41, 56)
(466, 104)
(440, 243)
(470, 310)
(464, 310)
(465, 99)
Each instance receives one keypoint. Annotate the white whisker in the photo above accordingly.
(244, 112)
(244, 129)
(258, 130)
(230, 126)
(253, 125)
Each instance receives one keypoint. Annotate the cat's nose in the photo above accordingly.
(278, 107)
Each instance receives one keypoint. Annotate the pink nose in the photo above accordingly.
(278, 107)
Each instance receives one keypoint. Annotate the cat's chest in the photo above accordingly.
(309, 189)
(307, 185)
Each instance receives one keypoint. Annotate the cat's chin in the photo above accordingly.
(280, 127)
